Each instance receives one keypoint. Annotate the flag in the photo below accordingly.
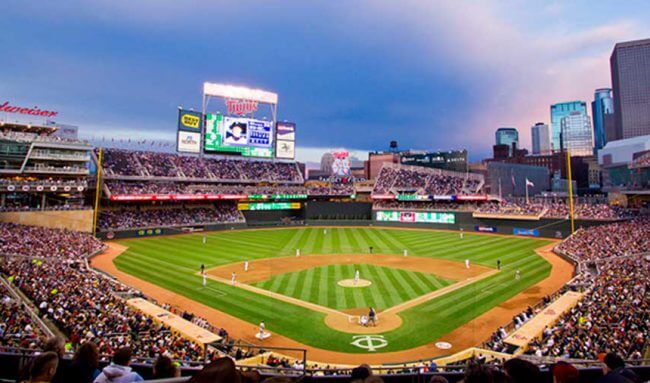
(529, 183)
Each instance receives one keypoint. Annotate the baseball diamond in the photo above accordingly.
(173, 263)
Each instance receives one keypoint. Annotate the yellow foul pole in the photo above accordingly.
(570, 187)
(98, 190)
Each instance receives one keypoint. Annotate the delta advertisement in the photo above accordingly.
(417, 217)
(237, 135)
(188, 142)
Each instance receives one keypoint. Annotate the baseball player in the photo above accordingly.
(297, 252)
(498, 264)
(324, 231)
(202, 269)
(205, 239)
(233, 278)
(356, 277)
(461, 233)
(406, 253)
(262, 329)
(517, 274)
(205, 279)
(372, 317)
(246, 266)
(467, 263)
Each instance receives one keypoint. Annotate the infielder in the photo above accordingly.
(233, 278)
(467, 263)
(406, 253)
(205, 279)
(202, 269)
(297, 252)
(246, 266)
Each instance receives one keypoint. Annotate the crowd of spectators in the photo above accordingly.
(11, 135)
(613, 314)
(17, 329)
(43, 242)
(511, 208)
(425, 181)
(425, 205)
(167, 216)
(118, 162)
(139, 187)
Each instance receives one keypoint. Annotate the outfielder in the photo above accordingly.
(205, 279)
(461, 233)
(517, 274)
(204, 239)
(406, 253)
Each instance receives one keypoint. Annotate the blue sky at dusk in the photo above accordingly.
(352, 74)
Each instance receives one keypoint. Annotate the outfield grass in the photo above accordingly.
(173, 262)
(319, 285)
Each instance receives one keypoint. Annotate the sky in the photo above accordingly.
(354, 74)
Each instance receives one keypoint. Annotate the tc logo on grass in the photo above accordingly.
(369, 342)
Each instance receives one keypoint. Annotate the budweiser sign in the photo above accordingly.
(35, 111)
(241, 107)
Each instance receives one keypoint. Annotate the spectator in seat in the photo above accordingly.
(85, 364)
(615, 371)
(56, 345)
(522, 371)
(223, 370)
(164, 368)
(119, 371)
(44, 367)
(564, 372)
(477, 373)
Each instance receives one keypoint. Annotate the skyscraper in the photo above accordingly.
(576, 134)
(630, 65)
(541, 138)
(506, 136)
(602, 109)
(558, 112)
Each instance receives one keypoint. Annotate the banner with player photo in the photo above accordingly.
(238, 135)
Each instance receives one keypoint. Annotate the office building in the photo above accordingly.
(541, 138)
(507, 136)
(602, 110)
(558, 112)
(630, 66)
(576, 135)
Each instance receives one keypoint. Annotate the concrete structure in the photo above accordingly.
(630, 67)
(508, 179)
(541, 138)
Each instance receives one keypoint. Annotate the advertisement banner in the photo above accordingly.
(189, 120)
(269, 206)
(285, 149)
(286, 131)
(175, 197)
(188, 142)
(237, 135)
(485, 229)
(418, 217)
(527, 232)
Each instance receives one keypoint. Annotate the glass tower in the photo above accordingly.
(558, 112)
(506, 136)
(601, 108)
(576, 134)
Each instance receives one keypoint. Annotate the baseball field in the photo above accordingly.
(422, 296)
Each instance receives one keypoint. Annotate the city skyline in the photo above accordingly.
(118, 68)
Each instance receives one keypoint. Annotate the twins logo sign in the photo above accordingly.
(369, 342)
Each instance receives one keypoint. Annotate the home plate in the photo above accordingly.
(263, 335)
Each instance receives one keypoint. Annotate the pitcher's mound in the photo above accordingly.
(352, 283)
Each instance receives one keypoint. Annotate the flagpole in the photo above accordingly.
(526, 190)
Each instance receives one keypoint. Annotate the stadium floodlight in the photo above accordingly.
(239, 93)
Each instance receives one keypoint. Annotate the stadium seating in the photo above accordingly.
(168, 216)
(397, 179)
